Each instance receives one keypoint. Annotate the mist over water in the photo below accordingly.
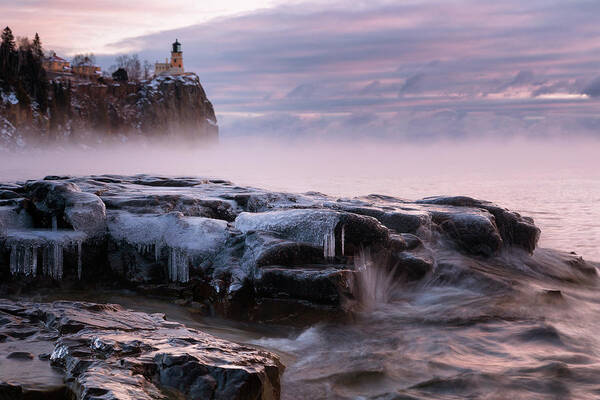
(556, 182)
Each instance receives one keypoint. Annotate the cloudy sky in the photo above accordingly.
(417, 69)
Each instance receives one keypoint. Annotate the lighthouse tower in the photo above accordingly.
(177, 57)
(175, 67)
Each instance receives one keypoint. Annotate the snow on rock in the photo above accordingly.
(8, 134)
(9, 98)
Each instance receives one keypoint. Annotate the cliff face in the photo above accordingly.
(165, 107)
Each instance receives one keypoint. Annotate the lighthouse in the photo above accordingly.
(175, 66)
(177, 56)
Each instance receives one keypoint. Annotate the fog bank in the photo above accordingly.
(336, 168)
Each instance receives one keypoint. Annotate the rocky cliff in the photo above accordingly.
(91, 113)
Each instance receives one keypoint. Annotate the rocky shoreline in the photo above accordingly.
(107, 352)
(237, 252)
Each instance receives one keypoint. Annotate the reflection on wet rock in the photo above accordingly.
(105, 351)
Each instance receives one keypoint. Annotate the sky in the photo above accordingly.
(405, 70)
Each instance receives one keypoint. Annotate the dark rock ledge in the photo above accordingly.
(251, 253)
(104, 352)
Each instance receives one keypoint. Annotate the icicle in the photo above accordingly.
(45, 260)
(178, 266)
(183, 267)
(20, 260)
(156, 251)
(13, 259)
(34, 260)
(23, 260)
(60, 262)
(54, 223)
(329, 245)
(79, 261)
(26, 266)
(57, 262)
(343, 238)
(171, 264)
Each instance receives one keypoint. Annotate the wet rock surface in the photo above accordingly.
(100, 351)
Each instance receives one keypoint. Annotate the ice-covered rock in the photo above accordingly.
(405, 220)
(308, 226)
(15, 217)
(187, 241)
(324, 228)
(64, 204)
(512, 227)
(246, 249)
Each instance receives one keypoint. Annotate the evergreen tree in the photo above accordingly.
(7, 52)
(8, 39)
(37, 47)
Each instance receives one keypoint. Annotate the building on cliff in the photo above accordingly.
(56, 65)
(87, 70)
(175, 66)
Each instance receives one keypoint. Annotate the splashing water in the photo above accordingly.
(375, 280)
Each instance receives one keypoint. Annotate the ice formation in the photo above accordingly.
(79, 261)
(302, 225)
(343, 238)
(182, 237)
(28, 248)
(179, 269)
(23, 260)
(329, 245)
